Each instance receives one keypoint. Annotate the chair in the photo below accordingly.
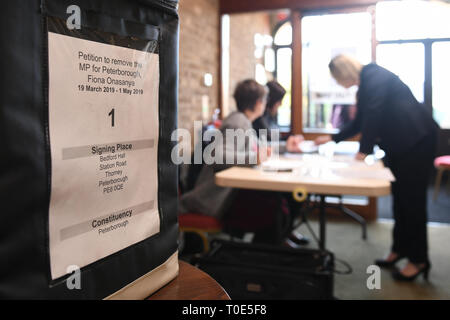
(441, 164)
(200, 224)
(204, 225)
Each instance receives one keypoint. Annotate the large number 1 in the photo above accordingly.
(112, 117)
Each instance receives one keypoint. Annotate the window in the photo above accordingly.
(411, 38)
(441, 80)
(283, 69)
(408, 20)
(414, 43)
(326, 105)
(407, 61)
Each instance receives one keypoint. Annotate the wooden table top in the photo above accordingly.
(340, 175)
(191, 284)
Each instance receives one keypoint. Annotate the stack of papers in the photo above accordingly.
(273, 165)
(374, 174)
(320, 167)
(308, 146)
(347, 147)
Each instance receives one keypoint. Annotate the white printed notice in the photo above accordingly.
(103, 122)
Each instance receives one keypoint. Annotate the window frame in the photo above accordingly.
(281, 46)
(312, 133)
(275, 47)
(428, 66)
(313, 7)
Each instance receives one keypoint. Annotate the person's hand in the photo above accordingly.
(264, 154)
(360, 156)
(293, 143)
(322, 139)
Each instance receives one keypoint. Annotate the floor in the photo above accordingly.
(344, 240)
(438, 210)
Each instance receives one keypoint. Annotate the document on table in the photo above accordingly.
(326, 168)
(279, 165)
(308, 146)
(361, 173)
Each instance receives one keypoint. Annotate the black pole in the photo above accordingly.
(322, 222)
(428, 92)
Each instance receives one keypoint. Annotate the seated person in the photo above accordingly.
(208, 198)
(269, 119)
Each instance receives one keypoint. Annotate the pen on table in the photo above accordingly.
(277, 170)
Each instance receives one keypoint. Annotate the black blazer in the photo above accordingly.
(387, 114)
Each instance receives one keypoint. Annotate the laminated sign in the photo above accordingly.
(99, 192)
(103, 125)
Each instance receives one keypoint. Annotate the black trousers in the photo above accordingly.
(412, 171)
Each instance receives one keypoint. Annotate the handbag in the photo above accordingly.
(265, 213)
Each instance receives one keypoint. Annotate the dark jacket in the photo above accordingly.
(208, 198)
(264, 126)
(387, 114)
(266, 122)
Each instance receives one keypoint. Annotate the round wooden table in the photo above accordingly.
(191, 284)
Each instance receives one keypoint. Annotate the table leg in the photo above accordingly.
(358, 218)
(322, 221)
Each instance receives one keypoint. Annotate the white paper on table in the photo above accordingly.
(376, 174)
(296, 156)
(280, 165)
(308, 146)
(347, 147)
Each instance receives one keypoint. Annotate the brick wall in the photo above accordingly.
(243, 28)
(199, 54)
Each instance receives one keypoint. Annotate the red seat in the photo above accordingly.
(443, 161)
(199, 221)
(441, 164)
(200, 224)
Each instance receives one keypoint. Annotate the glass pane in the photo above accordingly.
(260, 74)
(407, 61)
(284, 35)
(441, 80)
(412, 20)
(284, 61)
(329, 106)
(269, 60)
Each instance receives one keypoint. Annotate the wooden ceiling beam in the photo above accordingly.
(239, 6)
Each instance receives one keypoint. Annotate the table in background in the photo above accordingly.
(336, 176)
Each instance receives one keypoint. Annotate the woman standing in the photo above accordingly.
(389, 115)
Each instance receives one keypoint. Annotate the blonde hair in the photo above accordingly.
(344, 68)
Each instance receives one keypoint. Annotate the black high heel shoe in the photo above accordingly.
(425, 270)
(298, 238)
(382, 263)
